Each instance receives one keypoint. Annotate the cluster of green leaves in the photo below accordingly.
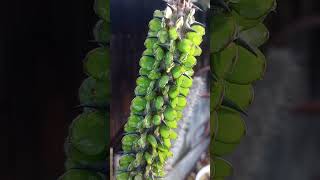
(87, 143)
(166, 69)
(236, 33)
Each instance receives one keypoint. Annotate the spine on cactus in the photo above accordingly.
(236, 33)
(172, 45)
(86, 146)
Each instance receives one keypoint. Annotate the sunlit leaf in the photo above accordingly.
(253, 9)
(242, 95)
(83, 159)
(256, 36)
(231, 126)
(222, 168)
(222, 149)
(97, 63)
(248, 68)
(94, 92)
(223, 62)
(89, 134)
(222, 31)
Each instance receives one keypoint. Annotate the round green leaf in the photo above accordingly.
(231, 126)
(223, 62)
(216, 94)
(222, 149)
(244, 23)
(253, 9)
(84, 159)
(97, 63)
(242, 95)
(122, 176)
(222, 168)
(94, 92)
(222, 32)
(102, 9)
(248, 67)
(89, 133)
(126, 160)
(101, 31)
(256, 36)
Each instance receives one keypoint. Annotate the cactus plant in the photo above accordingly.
(236, 33)
(86, 146)
(166, 70)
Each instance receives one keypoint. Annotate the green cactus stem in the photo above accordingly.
(166, 70)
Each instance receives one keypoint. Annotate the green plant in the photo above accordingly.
(86, 146)
(165, 77)
(236, 33)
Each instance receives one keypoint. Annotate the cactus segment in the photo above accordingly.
(236, 33)
(222, 168)
(223, 31)
(96, 65)
(94, 92)
(248, 67)
(256, 36)
(252, 9)
(172, 46)
(102, 32)
(231, 126)
(88, 133)
(223, 149)
(242, 95)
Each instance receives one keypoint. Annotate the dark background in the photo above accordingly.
(42, 44)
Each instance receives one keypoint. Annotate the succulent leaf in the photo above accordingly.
(222, 32)
(248, 68)
(86, 145)
(222, 168)
(256, 36)
(88, 133)
(231, 126)
(97, 63)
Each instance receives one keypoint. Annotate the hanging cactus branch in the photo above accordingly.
(236, 33)
(86, 146)
(166, 68)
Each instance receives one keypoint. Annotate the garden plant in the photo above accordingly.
(166, 70)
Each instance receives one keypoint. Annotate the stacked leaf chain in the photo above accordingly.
(236, 33)
(172, 46)
(86, 146)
